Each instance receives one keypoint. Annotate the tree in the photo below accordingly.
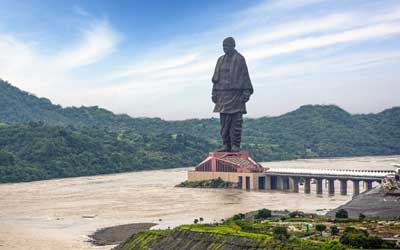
(280, 233)
(238, 216)
(342, 214)
(6, 158)
(334, 230)
(361, 216)
(360, 240)
(263, 214)
(296, 214)
(320, 228)
(201, 219)
(196, 221)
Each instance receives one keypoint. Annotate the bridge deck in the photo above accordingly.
(330, 173)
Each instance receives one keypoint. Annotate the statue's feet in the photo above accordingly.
(224, 149)
(235, 149)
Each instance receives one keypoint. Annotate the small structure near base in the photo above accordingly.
(236, 167)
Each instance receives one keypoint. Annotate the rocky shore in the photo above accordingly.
(373, 203)
(117, 234)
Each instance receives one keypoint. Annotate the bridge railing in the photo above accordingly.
(336, 172)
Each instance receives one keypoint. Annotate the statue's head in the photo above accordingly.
(229, 45)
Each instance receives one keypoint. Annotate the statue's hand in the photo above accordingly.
(245, 98)
(214, 98)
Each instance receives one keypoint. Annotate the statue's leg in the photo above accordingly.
(225, 121)
(236, 131)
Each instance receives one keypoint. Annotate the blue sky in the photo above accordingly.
(156, 58)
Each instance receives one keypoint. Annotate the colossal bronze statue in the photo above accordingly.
(231, 90)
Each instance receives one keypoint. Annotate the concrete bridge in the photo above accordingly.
(290, 179)
(240, 168)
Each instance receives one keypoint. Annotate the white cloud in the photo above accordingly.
(296, 28)
(277, 46)
(276, 5)
(26, 66)
(97, 42)
(326, 65)
(373, 32)
(163, 64)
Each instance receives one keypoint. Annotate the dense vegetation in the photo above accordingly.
(40, 140)
(37, 151)
(213, 183)
(295, 230)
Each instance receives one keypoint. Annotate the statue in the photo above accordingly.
(231, 90)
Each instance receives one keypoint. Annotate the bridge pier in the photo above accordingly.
(356, 187)
(288, 180)
(331, 186)
(286, 183)
(279, 183)
(268, 183)
(369, 184)
(343, 187)
(307, 185)
(294, 184)
(319, 185)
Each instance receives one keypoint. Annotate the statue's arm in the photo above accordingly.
(215, 80)
(247, 85)
(215, 77)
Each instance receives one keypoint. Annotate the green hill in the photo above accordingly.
(37, 151)
(40, 140)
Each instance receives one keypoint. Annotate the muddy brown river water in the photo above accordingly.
(59, 214)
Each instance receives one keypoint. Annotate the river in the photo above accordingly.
(59, 214)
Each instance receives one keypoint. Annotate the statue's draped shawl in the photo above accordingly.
(230, 95)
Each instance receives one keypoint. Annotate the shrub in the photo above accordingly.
(361, 216)
(341, 213)
(238, 216)
(361, 240)
(320, 227)
(334, 230)
(351, 230)
(283, 218)
(280, 233)
(263, 214)
(296, 214)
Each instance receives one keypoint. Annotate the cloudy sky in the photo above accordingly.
(156, 58)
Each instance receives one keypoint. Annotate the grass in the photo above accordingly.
(233, 229)
(142, 239)
(258, 234)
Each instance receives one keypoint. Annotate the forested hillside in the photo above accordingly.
(39, 140)
(37, 151)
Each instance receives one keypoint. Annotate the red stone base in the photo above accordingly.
(230, 162)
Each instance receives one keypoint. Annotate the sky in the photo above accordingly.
(156, 58)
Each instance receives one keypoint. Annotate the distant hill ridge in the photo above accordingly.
(40, 140)
(20, 107)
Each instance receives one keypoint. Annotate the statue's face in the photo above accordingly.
(228, 48)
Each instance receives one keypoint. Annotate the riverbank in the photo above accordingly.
(373, 203)
(117, 234)
(265, 231)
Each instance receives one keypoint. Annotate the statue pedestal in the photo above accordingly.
(237, 167)
(230, 162)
